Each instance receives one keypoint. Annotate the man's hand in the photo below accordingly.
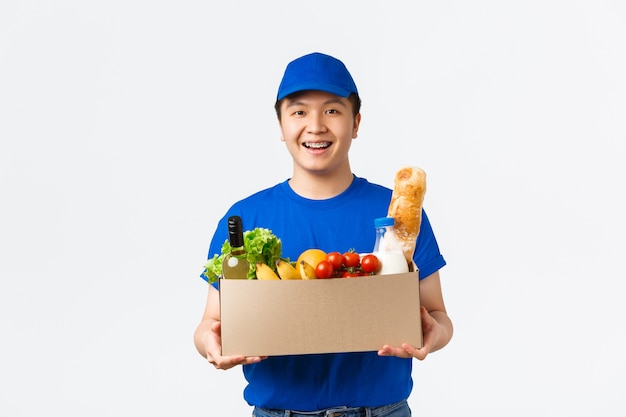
(432, 332)
(208, 337)
(213, 353)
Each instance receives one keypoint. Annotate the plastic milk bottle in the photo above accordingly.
(388, 249)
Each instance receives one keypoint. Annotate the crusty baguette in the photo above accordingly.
(406, 207)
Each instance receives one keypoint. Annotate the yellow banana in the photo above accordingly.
(264, 272)
(286, 270)
(306, 270)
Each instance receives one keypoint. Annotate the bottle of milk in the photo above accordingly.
(388, 249)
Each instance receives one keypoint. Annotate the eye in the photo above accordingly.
(332, 111)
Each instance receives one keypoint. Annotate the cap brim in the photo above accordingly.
(329, 88)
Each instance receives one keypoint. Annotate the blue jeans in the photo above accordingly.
(400, 409)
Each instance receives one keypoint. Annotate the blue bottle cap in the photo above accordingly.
(384, 221)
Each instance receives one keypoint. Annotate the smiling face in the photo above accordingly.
(318, 129)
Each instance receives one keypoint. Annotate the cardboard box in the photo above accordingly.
(267, 318)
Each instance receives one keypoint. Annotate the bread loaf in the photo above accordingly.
(406, 207)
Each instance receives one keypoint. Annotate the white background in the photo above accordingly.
(116, 118)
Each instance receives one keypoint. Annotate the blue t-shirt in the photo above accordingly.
(314, 382)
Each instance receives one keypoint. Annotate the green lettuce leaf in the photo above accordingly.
(261, 246)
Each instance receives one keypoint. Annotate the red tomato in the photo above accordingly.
(324, 269)
(350, 274)
(351, 259)
(335, 259)
(370, 263)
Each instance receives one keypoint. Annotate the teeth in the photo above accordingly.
(317, 145)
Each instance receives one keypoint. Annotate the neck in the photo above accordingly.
(320, 186)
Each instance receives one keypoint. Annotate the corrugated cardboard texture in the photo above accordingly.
(267, 318)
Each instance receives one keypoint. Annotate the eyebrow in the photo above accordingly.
(298, 102)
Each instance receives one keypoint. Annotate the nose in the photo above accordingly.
(316, 123)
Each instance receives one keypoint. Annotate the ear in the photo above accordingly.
(280, 128)
(355, 128)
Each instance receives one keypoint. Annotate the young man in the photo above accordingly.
(324, 205)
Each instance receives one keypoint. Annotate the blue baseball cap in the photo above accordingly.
(316, 71)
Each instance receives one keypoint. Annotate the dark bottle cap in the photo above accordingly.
(235, 231)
